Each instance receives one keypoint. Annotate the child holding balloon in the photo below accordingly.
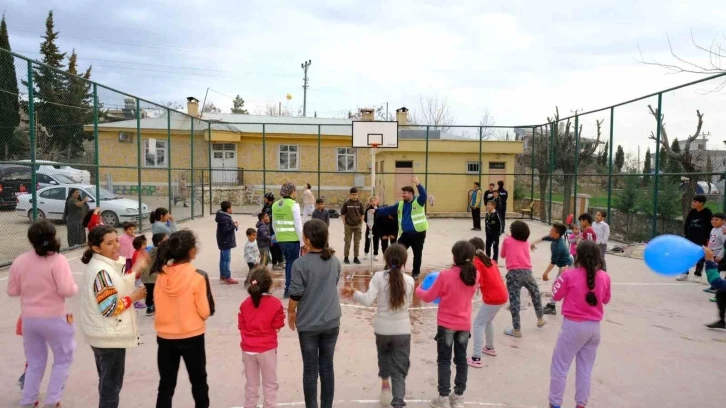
(583, 291)
(717, 284)
(455, 287)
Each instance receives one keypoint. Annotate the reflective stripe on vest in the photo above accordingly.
(418, 216)
(282, 220)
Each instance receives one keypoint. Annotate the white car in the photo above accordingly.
(51, 167)
(52, 201)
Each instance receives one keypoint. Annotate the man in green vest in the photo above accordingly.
(412, 223)
(287, 223)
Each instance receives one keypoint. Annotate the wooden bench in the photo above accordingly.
(528, 211)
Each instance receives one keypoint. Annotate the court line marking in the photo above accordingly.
(378, 402)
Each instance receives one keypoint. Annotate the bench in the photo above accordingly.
(528, 210)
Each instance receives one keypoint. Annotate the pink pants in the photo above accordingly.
(265, 364)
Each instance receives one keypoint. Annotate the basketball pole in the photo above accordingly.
(373, 193)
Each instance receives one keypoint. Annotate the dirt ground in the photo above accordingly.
(655, 350)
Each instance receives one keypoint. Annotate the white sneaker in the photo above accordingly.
(456, 401)
(375, 258)
(365, 256)
(696, 279)
(682, 277)
(440, 402)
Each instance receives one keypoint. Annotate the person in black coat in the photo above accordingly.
(226, 241)
(385, 227)
(503, 196)
(697, 229)
(276, 253)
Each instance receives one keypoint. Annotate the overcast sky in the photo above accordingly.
(518, 59)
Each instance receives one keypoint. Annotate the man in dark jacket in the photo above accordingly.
(386, 227)
(503, 196)
(277, 260)
(697, 229)
(226, 240)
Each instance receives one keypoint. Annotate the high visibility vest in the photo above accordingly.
(282, 220)
(418, 216)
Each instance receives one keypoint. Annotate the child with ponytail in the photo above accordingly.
(392, 291)
(494, 296)
(260, 318)
(585, 289)
(455, 287)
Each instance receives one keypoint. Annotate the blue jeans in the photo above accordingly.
(291, 251)
(446, 340)
(110, 364)
(318, 348)
(225, 259)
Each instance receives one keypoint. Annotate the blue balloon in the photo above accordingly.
(671, 255)
(428, 282)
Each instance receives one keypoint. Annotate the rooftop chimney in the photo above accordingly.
(366, 114)
(402, 116)
(193, 106)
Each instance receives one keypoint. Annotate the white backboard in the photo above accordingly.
(382, 134)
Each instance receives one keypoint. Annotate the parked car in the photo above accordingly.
(16, 179)
(51, 167)
(52, 201)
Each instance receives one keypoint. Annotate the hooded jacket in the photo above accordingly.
(264, 238)
(181, 302)
(226, 238)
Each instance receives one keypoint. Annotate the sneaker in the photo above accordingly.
(550, 309)
(440, 402)
(346, 261)
(474, 362)
(415, 276)
(386, 396)
(456, 401)
(713, 299)
(489, 351)
(509, 331)
(21, 382)
(697, 278)
(365, 257)
(682, 277)
(717, 325)
(541, 322)
(150, 311)
(276, 268)
(554, 406)
(230, 281)
(356, 260)
(375, 258)
(139, 305)
(709, 290)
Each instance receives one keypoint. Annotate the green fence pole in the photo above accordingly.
(426, 175)
(33, 147)
(319, 161)
(533, 165)
(209, 153)
(610, 162)
(654, 221)
(577, 162)
(138, 158)
(552, 165)
(481, 137)
(194, 191)
(168, 154)
(264, 164)
(95, 143)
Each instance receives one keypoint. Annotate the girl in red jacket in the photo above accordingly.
(260, 319)
(494, 296)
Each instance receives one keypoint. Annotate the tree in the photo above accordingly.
(9, 98)
(663, 159)
(541, 141)
(210, 108)
(238, 106)
(487, 119)
(674, 166)
(709, 170)
(647, 169)
(619, 159)
(433, 112)
(379, 114)
(669, 202)
(603, 157)
(79, 99)
(272, 109)
(627, 200)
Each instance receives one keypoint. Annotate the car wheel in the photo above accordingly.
(41, 215)
(110, 218)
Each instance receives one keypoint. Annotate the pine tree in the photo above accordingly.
(619, 159)
(603, 159)
(647, 167)
(663, 160)
(238, 106)
(674, 166)
(79, 99)
(9, 99)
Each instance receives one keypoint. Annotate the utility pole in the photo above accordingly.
(305, 65)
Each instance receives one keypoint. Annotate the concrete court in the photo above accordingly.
(655, 350)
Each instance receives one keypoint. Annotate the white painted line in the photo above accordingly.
(684, 284)
(378, 402)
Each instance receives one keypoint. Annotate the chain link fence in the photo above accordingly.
(639, 162)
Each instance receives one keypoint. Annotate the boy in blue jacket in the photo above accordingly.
(226, 240)
(717, 284)
(560, 258)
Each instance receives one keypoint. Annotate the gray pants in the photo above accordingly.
(603, 250)
(394, 353)
(516, 279)
(483, 323)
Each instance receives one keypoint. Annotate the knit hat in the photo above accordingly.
(270, 196)
(287, 189)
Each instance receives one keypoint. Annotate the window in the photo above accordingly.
(288, 157)
(54, 194)
(346, 159)
(155, 156)
(472, 167)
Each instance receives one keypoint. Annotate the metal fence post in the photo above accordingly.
(319, 161)
(168, 152)
(481, 141)
(138, 157)
(211, 173)
(610, 162)
(654, 221)
(551, 171)
(264, 162)
(194, 191)
(95, 142)
(33, 147)
(426, 175)
(577, 163)
(533, 165)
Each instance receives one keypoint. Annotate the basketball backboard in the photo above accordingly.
(375, 133)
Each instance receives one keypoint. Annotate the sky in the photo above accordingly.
(517, 59)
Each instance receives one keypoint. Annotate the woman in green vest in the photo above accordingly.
(287, 223)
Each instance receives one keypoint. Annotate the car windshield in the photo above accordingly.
(64, 179)
(105, 194)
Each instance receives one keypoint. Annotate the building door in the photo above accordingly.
(497, 171)
(224, 163)
(404, 173)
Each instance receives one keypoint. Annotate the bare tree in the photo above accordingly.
(433, 112)
(273, 109)
(487, 119)
(713, 53)
(685, 157)
(541, 146)
(210, 108)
